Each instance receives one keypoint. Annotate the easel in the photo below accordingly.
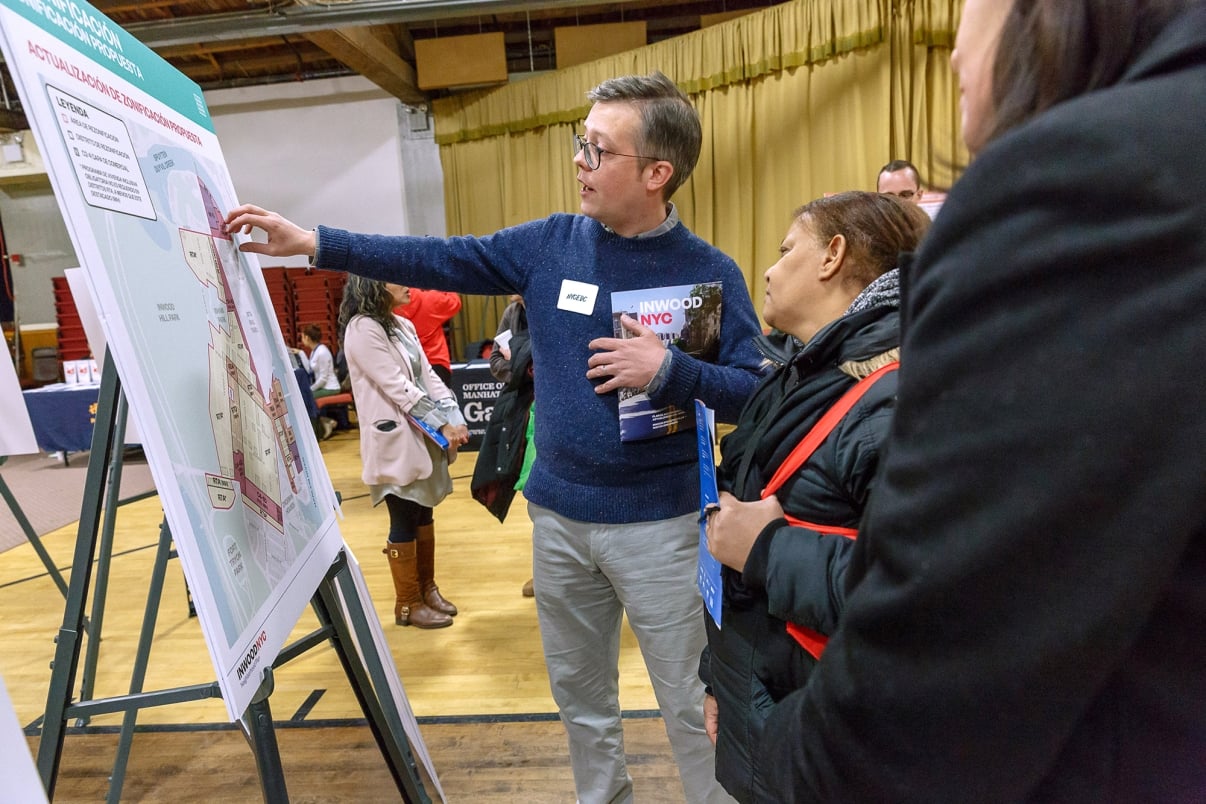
(30, 534)
(368, 678)
(111, 504)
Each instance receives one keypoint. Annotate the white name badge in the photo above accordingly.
(577, 297)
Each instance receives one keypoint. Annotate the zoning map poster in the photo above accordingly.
(143, 188)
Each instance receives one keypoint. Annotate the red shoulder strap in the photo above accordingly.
(812, 641)
(821, 430)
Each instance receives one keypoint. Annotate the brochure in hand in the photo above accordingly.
(684, 316)
(708, 574)
(429, 431)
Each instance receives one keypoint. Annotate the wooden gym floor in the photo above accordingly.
(479, 688)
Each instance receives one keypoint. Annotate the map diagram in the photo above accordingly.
(251, 483)
(218, 381)
(139, 176)
(251, 427)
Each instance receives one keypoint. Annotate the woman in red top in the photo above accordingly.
(429, 311)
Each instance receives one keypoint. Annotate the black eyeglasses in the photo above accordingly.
(592, 154)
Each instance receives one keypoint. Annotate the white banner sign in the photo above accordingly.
(17, 435)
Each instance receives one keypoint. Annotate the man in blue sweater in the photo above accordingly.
(614, 523)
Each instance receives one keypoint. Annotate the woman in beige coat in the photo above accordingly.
(396, 390)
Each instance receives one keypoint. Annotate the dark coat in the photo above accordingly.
(793, 574)
(500, 458)
(1027, 614)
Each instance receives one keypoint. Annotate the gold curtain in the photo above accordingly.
(804, 98)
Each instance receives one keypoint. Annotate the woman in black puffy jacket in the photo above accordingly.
(835, 288)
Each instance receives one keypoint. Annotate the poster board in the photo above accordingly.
(410, 724)
(143, 189)
(17, 435)
(21, 780)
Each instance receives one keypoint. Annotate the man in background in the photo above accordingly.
(901, 179)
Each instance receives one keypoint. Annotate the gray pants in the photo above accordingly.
(587, 576)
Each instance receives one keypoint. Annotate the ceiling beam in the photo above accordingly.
(253, 64)
(220, 49)
(376, 55)
(304, 19)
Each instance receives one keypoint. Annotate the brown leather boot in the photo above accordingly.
(426, 555)
(409, 608)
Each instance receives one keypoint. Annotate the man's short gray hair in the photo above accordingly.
(670, 128)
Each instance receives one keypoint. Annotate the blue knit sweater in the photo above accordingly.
(583, 471)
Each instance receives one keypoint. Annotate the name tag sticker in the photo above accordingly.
(577, 297)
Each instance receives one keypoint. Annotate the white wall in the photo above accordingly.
(327, 151)
(334, 151)
(34, 229)
(423, 178)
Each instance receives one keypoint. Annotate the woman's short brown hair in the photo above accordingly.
(877, 229)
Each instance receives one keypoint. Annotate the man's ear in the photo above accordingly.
(835, 256)
(659, 174)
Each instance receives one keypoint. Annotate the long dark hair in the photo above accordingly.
(367, 297)
(877, 228)
(1053, 50)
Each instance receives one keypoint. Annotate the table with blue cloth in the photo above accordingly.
(63, 416)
